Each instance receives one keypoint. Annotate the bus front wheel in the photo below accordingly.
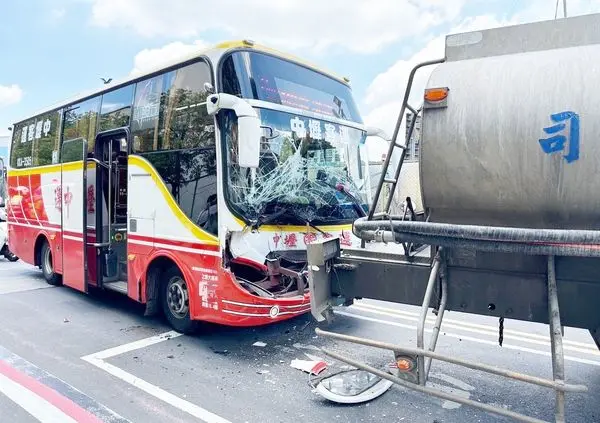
(46, 264)
(175, 300)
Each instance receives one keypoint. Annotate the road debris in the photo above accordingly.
(309, 366)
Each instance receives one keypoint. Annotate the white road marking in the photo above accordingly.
(447, 404)
(35, 405)
(452, 380)
(14, 285)
(360, 304)
(468, 338)
(135, 345)
(489, 331)
(459, 388)
(97, 359)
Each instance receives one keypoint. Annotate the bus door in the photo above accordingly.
(107, 211)
(72, 194)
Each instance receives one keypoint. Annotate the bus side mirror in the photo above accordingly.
(248, 131)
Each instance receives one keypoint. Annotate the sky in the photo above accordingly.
(54, 49)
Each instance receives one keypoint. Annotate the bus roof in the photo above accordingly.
(223, 46)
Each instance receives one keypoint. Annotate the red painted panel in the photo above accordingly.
(21, 239)
(15, 209)
(26, 201)
(73, 273)
(57, 256)
(38, 201)
(136, 269)
(214, 294)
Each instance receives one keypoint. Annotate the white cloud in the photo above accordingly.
(148, 59)
(384, 95)
(10, 94)
(357, 25)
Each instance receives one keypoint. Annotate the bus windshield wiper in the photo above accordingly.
(263, 220)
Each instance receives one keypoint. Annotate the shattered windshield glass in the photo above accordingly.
(310, 171)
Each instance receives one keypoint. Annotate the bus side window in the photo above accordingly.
(81, 122)
(172, 130)
(46, 139)
(116, 108)
(22, 145)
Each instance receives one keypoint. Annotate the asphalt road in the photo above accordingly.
(97, 357)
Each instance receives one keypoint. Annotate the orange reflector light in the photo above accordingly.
(404, 365)
(436, 94)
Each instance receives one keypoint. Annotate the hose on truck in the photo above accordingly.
(560, 242)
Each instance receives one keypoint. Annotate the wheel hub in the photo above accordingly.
(48, 261)
(177, 297)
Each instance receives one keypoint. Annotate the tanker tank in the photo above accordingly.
(517, 140)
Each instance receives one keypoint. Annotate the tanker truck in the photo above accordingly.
(509, 165)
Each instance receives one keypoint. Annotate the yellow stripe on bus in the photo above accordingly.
(242, 43)
(181, 216)
(298, 228)
(39, 170)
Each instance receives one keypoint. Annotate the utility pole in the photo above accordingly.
(564, 9)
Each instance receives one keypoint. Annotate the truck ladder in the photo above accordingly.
(392, 148)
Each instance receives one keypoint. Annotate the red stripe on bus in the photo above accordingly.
(186, 244)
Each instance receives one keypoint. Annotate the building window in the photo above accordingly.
(413, 152)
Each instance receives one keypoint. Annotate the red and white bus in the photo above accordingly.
(194, 188)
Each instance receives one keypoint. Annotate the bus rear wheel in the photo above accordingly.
(175, 300)
(47, 266)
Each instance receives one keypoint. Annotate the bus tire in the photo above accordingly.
(46, 264)
(175, 301)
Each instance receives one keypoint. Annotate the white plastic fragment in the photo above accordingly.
(309, 366)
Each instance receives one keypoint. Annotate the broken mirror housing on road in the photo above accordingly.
(352, 386)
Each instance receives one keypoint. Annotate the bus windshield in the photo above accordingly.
(259, 76)
(310, 171)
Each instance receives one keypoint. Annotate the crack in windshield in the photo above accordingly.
(310, 171)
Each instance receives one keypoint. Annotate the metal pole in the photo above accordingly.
(421, 324)
(110, 151)
(565, 8)
(440, 315)
(469, 364)
(435, 392)
(558, 363)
